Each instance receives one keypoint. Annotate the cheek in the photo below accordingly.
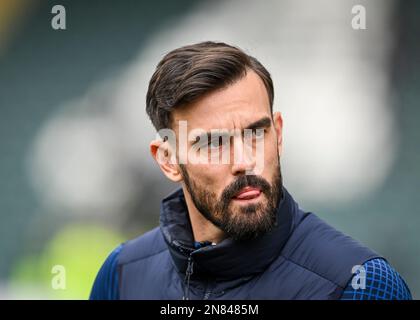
(268, 160)
(270, 152)
(210, 177)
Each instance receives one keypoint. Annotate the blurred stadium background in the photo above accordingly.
(76, 176)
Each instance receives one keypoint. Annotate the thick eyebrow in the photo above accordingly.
(208, 135)
(262, 123)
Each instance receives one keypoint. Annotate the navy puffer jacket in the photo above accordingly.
(301, 258)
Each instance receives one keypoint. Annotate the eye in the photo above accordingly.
(259, 133)
(216, 142)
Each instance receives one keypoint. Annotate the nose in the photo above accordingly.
(243, 160)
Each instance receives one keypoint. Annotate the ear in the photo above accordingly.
(278, 126)
(164, 156)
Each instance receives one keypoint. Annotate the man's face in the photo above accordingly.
(240, 203)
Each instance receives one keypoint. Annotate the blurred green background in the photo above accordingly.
(76, 176)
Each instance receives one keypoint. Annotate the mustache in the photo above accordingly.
(245, 181)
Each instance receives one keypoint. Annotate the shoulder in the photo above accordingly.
(147, 245)
(376, 280)
(321, 249)
(106, 285)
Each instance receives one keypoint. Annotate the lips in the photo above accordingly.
(247, 193)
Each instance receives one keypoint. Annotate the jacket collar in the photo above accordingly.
(228, 259)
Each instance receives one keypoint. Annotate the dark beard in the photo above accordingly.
(243, 223)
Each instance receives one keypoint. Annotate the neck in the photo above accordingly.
(203, 229)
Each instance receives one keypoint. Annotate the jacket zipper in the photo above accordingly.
(188, 273)
(207, 293)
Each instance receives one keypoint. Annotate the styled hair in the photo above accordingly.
(190, 72)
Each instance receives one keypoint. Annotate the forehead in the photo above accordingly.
(235, 106)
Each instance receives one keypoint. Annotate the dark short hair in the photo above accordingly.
(188, 73)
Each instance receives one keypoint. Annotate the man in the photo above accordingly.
(232, 231)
